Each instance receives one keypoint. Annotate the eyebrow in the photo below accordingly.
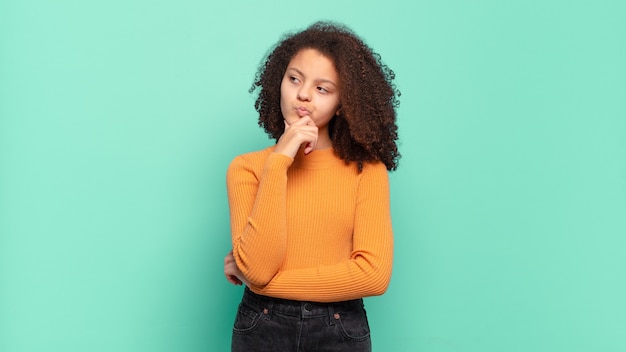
(319, 80)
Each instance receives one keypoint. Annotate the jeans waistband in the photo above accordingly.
(299, 308)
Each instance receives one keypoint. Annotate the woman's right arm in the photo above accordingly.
(257, 196)
(257, 201)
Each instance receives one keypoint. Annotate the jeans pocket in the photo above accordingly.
(354, 325)
(247, 319)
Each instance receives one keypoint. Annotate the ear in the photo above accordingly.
(338, 112)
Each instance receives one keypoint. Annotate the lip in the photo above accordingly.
(302, 111)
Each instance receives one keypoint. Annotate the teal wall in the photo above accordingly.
(118, 119)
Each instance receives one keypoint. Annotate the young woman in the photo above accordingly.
(310, 218)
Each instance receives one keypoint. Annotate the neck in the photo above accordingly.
(323, 138)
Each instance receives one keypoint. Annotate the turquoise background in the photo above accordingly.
(118, 120)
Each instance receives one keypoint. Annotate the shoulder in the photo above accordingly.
(374, 169)
(374, 174)
(251, 158)
(252, 161)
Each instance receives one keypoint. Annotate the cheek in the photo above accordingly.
(334, 106)
(283, 93)
(284, 101)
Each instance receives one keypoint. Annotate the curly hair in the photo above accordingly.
(365, 130)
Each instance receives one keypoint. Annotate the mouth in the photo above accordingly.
(302, 111)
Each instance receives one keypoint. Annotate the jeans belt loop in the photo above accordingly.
(331, 315)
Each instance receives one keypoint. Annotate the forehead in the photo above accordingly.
(311, 62)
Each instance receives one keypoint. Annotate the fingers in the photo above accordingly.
(302, 132)
(229, 258)
(231, 271)
(303, 121)
(233, 280)
(232, 275)
(310, 145)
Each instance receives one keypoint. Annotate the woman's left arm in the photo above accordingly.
(368, 270)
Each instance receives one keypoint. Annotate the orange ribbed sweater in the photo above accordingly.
(310, 228)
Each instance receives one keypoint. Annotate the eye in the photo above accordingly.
(322, 90)
(294, 79)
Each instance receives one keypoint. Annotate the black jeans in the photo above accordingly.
(279, 325)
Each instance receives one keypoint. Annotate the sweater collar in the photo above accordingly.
(317, 159)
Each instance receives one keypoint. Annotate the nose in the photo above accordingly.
(303, 94)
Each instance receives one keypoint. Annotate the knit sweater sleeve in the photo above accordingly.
(368, 270)
(257, 202)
